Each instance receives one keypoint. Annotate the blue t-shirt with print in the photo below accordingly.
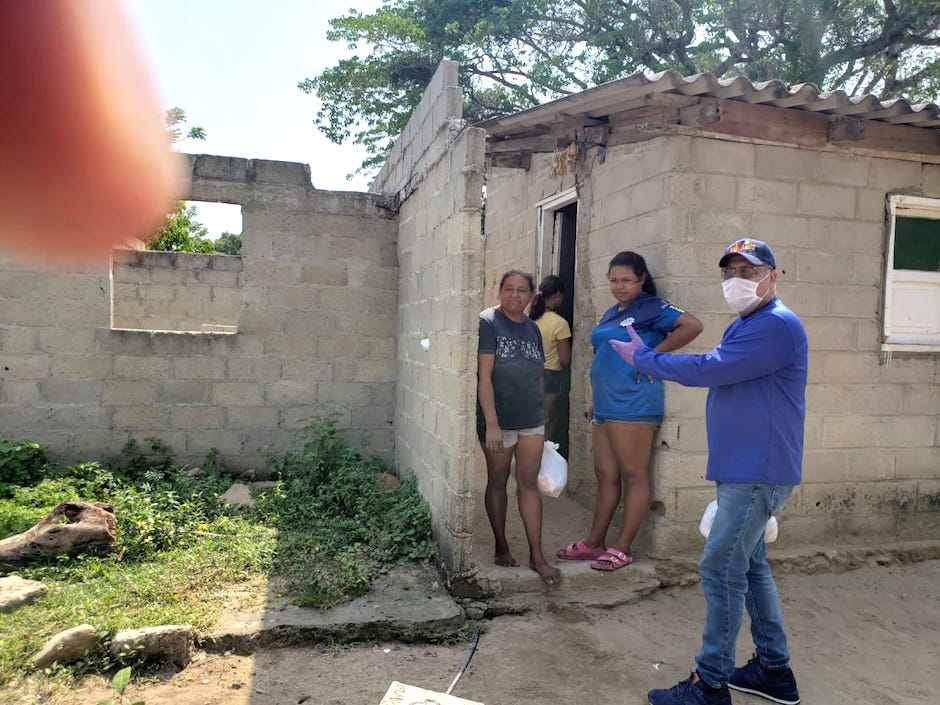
(617, 394)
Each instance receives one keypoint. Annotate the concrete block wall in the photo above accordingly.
(436, 169)
(872, 460)
(315, 334)
(872, 444)
(175, 291)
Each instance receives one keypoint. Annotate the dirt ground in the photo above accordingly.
(867, 636)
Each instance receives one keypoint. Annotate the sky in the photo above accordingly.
(233, 66)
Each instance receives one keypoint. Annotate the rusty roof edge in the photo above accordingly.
(799, 96)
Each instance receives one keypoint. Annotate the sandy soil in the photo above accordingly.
(868, 636)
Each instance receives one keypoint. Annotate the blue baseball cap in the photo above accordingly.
(754, 251)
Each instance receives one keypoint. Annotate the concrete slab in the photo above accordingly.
(408, 604)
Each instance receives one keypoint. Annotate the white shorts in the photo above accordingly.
(511, 436)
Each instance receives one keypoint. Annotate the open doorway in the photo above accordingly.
(557, 240)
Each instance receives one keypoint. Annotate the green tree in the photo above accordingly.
(175, 119)
(182, 233)
(229, 244)
(513, 54)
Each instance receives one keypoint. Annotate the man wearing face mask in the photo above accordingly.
(754, 414)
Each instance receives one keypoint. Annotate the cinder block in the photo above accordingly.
(853, 431)
(228, 443)
(894, 174)
(869, 270)
(207, 166)
(197, 417)
(251, 418)
(767, 196)
(786, 163)
(150, 420)
(829, 201)
(703, 190)
(921, 399)
(140, 367)
(869, 464)
(855, 236)
(870, 205)
(80, 416)
(21, 367)
(183, 391)
(289, 392)
(130, 392)
(14, 392)
(845, 399)
(909, 431)
(832, 334)
(247, 393)
(855, 301)
(199, 368)
(842, 169)
(825, 465)
(720, 156)
(931, 180)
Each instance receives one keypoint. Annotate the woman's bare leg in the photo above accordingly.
(528, 461)
(495, 500)
(632, 446)
(609, 487)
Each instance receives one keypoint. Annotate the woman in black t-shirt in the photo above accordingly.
(511, 415)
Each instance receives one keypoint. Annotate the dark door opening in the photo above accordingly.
(565, 232)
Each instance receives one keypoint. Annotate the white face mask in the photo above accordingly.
(741, 294)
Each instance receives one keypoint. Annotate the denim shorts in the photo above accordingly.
(511, 435)
(656, 420)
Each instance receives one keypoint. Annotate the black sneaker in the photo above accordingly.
(778, 685)
(689, 693)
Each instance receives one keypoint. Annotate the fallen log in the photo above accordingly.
(70, 528)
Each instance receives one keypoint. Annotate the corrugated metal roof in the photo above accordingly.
(608, 98)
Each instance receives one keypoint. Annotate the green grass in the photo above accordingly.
(329, 525)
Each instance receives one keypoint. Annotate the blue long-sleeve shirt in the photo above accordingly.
(755, 411)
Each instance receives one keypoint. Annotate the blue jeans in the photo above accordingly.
(735, 574)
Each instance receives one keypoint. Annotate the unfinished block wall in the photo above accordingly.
(163, 291)
(314, 331)
(436, 172)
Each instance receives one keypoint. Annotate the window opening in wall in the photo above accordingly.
(912, 276)
(186, 277)
(200, 227)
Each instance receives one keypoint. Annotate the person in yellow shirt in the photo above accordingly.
(556, 341)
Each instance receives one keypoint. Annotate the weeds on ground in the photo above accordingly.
(339, 523)
(328, 525)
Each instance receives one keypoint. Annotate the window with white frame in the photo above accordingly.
(912, 278)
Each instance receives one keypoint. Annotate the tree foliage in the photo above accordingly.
(229, 244)
(182, 233)
(513, 54)
(175, 119)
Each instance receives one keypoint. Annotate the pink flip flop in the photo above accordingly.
(612, 559)
(579, 551)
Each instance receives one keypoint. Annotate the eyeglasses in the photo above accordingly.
(745, 272)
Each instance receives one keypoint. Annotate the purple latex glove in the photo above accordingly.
(627, 350)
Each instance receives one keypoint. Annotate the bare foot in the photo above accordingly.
(504, 558)
(547, 571)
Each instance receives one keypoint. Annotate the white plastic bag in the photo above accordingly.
(553, 473)
(705, 526)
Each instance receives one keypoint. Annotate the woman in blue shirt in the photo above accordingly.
(627, 408)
